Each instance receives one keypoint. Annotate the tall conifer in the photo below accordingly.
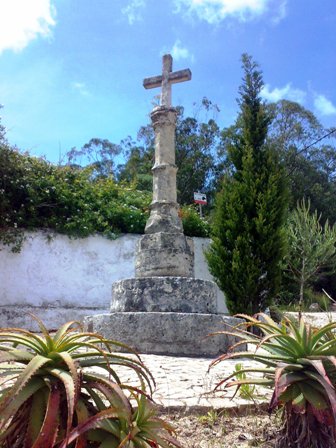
(248, 242)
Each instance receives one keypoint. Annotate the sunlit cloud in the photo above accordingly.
(133, 10)
(215, 11)
(24, 21)
(179, 52)
(287, 92)
(280, 12)
(323, 105)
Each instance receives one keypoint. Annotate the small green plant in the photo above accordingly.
(65, 391)
(299, 363)
(245, 391)
(210, 418)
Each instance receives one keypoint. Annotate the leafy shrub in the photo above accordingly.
(193, 225)
(35, 194)
(299, 364)
(52, 397)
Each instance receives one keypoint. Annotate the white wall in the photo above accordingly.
(67, 279)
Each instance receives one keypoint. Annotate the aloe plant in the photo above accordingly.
(299, 363)
(51, 394)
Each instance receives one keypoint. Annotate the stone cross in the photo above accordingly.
(164, 216)
(167, 78)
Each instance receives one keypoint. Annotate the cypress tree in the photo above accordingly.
(248, 242)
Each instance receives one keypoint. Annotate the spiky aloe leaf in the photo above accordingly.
(322, 332)
(64, 331)
(33, 366)
(15, 355)
(329, 390)
(25, 338)
(28, 391)
(49, 430)
(44, 331)
(36, 416)
(74, 371)
(138, 367)
(113, 393)
(313, 396)
(90, 423)
(69, 385)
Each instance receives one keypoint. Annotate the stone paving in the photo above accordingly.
(184, 384)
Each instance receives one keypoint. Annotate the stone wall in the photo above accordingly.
(66, 279)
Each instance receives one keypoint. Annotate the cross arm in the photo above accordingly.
(174, 77)
(180, 76)
(154, 81)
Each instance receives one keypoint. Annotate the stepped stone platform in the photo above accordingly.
(166, 333)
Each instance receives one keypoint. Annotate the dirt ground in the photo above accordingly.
(219, 430)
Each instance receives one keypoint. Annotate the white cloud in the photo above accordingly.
(179, 52)
(323, 105)
(280, 13)
(132, 10)
(288, 92)
(81, 88)
(215, 11)
(22, 21)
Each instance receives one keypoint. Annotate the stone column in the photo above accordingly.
(164, 216)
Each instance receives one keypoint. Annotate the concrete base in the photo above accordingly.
(181, 334)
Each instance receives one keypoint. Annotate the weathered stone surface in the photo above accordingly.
(167, 78)
(165, 294)
(166, 333)
(19, 316)
(165, 254)
(317, 320)
(164, 208)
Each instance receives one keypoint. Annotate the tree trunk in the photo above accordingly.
(302, 281)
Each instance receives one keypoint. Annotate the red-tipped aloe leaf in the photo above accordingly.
(49, 430)
(69, 386)
(90, 423)
(34, 365)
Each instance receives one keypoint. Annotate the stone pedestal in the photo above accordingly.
(164, 294)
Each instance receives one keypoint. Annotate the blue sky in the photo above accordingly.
(72, 70)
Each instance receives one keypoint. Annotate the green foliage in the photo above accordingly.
(196, 143)
(288, 301)
(196, 140)
(193, 225)
(99, 154)
(310, 162)
(248, 241)
(299, 365)
(36, 194)
(312, 246)
(245, 391)
(53, 396)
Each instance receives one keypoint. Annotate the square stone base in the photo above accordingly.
(180, 334)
